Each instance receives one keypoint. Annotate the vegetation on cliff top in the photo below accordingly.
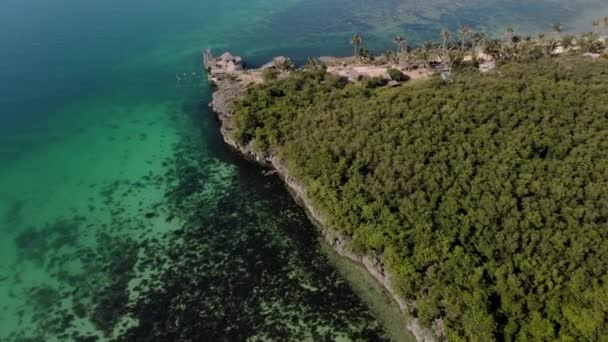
(486, 197)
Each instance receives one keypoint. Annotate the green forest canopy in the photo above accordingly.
(487, 197)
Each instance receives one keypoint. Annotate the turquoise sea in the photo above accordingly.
(122, 214)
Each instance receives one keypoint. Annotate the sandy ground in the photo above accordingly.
(251, 77)
(353, 72)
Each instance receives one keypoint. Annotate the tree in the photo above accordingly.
(389, 56)
(548, 45)
(509, 35)
(400, 41)
(445, 37)
(365, 54)
(558, 28)
(590, 42)
(543, 45)
(356, 40)
(568, 41)
(270, 74)
(464, 32)
(284, 64)
(312, 63)
(541, 37)
(423, 56)
(480, 40)
(596, 25)
(454, 58)
(397, 75)
(495, 48)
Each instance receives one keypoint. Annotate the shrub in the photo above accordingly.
(334, 81)
(374, 82)
(397, 75)
(270, 74)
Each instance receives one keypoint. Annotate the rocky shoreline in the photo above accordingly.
(228, 87)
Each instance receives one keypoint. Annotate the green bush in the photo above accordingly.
(397, 75)
(270, 74)
(374, 82)
(337, 82)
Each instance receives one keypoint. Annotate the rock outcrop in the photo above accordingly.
(487, 66)
(222, 66)
(591, 55)
(278, 62)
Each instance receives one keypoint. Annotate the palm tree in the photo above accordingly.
(400, 41)
(495, 48)
(588, 42)
(596, 24)
(558, 28)
(509, 35)
(546, 45)
(312, 63)
(364, 54)
(464, 32)
(454, 57)
(389, 56)
(284, 63)
(480, 40)
(356, 40)
(445, 37)
(423, 56)
(541, 39)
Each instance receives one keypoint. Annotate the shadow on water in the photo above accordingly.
(13, 215)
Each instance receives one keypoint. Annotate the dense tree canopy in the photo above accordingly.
(487, 197)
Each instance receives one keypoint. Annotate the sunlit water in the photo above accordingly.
(123, 215)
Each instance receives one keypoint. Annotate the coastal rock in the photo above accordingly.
(591, 55)
(421, 334)
(276, 63)
(479, 56)
(485, 57)
(219, 67)
(223, 96)
(335, 61)
(558, 50)
(487, 66)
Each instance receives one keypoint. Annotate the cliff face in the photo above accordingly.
(227, 89)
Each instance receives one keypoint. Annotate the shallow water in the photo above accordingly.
(123, 215)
